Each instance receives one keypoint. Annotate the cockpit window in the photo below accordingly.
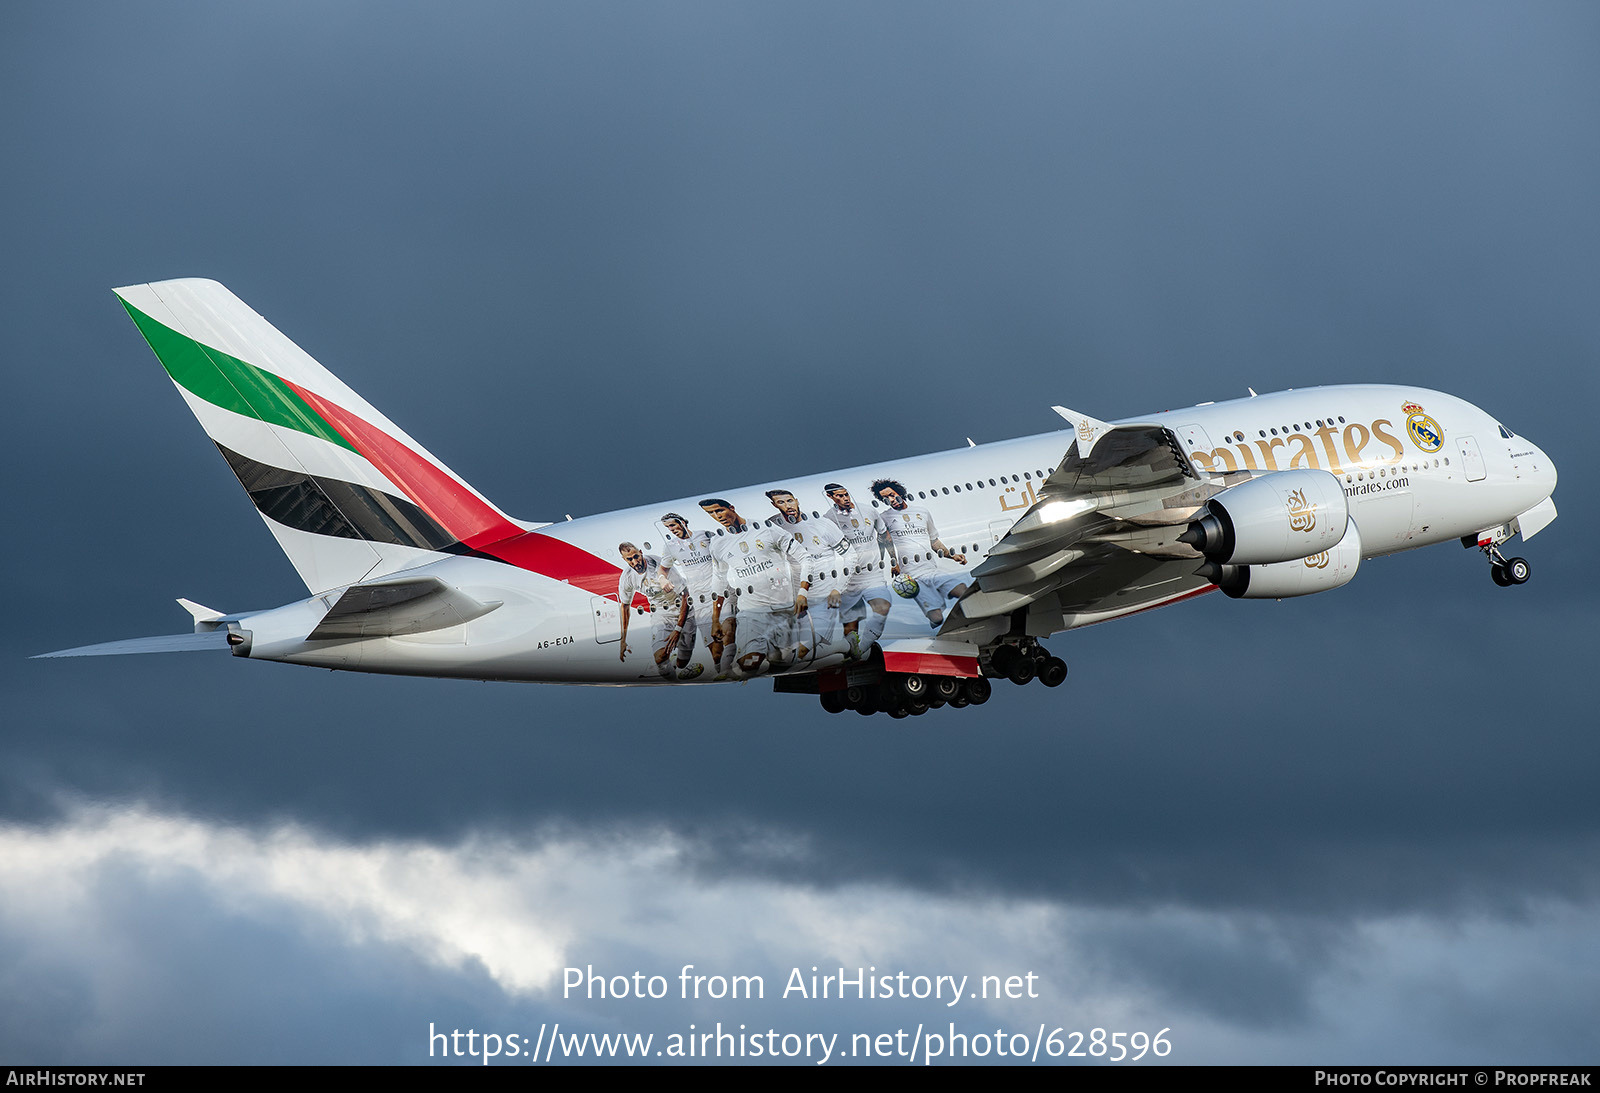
(1507, 433)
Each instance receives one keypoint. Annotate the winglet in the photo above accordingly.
(1090, 429)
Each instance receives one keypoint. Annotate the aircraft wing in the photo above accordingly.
(1099, 541)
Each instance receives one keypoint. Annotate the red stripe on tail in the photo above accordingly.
(463, 513)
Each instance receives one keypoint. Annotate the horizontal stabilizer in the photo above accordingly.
(400, 605)
(167, 643)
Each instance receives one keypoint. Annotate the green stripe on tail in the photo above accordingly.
(230, 383)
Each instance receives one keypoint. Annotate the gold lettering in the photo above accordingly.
(1302, 516)
(1228, 462)
(1249, 460)
(1266, 447)
(1325, 434)
(1352, 448)
(1307, 453)
(1205, 461)
(1388, 438)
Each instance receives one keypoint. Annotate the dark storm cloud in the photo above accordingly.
(918, 225)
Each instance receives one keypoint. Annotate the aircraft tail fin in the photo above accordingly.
(347, 493)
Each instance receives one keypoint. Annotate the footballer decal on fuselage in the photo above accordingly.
(794, 590)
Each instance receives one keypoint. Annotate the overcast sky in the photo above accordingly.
(593, 255)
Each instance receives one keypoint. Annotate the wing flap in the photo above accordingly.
(1062, 562)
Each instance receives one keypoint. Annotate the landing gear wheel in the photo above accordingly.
(913, 686)
(899, 712)
(853, 697)
(977, 690)
(916, 706)
(1023, 671)
(1518, 571)
(1501, 577)
(946, 687)
(833, 701)
(959, 700)
(1053, 672)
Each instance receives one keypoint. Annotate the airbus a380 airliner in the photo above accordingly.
(893, 587)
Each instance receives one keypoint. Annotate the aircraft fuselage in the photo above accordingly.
(1417, 467)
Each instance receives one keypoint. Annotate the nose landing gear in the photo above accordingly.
(1506, 571)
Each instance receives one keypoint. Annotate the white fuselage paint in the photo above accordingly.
(1401, 494)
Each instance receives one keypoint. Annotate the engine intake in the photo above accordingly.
(1279, 517)
(1301, 577)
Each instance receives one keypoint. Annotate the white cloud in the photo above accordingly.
(522, 910)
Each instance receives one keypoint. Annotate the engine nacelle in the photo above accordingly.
(1279, 580)
(1278, 517)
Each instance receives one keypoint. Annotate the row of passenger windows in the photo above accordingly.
(774, 521)
(1002, 480)
(1361, 476)
(1322, 423)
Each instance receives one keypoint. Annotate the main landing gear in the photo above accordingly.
(1023, 663)
(900, 694)
(905, 694)
(1506, 571)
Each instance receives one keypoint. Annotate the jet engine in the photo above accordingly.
(1278, 580)
(1278, 517)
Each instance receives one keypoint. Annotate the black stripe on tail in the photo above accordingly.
(344, 510)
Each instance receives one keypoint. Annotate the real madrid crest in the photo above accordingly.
(1425, 433)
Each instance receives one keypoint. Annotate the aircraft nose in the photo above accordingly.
(1544, 472)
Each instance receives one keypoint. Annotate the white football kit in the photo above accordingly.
(867, 567)
(689, 562)
(826, 568)
(758, 565)
(665, 600)
(911, 535)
